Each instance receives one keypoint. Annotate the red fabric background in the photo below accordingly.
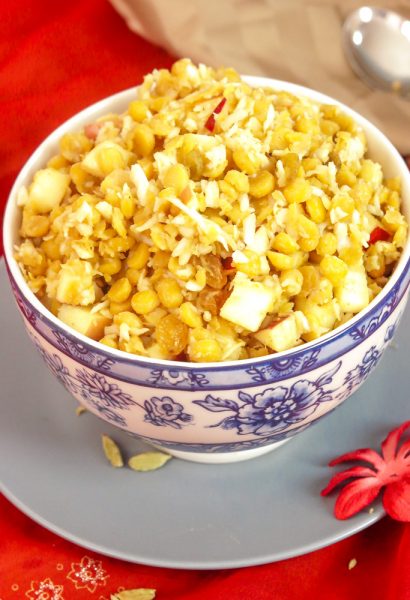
(56, 58)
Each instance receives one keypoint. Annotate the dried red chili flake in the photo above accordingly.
(220, 106)
(211, 122)
(389, 470)
(379, 235)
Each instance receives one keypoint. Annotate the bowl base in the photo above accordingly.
(221, 457)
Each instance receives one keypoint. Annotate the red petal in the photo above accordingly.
(366, 454)
(404, 451)
(343, 475)
(378, 234)
(355, 496)
(396, 499)
(389, 445)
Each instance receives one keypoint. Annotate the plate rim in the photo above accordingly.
(366, 520)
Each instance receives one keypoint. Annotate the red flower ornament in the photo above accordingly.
(390, 470)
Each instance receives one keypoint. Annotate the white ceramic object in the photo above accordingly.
(213, 412)
(377, 45)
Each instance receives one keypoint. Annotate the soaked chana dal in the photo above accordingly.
(210, 221)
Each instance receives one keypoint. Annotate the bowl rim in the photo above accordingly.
(402, 267)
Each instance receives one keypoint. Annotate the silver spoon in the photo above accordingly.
(377, 45)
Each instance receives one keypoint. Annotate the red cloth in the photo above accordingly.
(56, 58)
(30, 555)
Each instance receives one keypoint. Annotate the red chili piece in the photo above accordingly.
(379, 235)
(210, 122)
(220, 106)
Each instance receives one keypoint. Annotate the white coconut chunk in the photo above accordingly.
(239, 257)
(216, 156)
(322, 153)
(125, 332)
(211, 191)
(249, 227)
(163, 161)
(47, 190)
(260, 243)
(342, 235)
(92, 160)
(83, 320)
(141, 183)
(208, 227)
(280, 335)
(249, 302)
(337, 214)
(353, 294)
(190, 124)
(280, 173)
(244, 202)
(353, 150)
(105, 209)
(270, 117)
(147, 225)
(127, 126)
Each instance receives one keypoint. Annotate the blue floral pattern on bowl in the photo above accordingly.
(274, 409)
(80, 351)
(93, 388)
(165, 411)
(176, 378)
(359, 374)
(284, 367)
(363, 330)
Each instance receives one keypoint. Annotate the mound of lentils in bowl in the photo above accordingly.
(210, 221)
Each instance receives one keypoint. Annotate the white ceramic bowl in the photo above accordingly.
(213, 412)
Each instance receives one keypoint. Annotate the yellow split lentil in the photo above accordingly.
(209, 211)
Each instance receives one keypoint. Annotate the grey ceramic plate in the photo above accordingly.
(185, 515)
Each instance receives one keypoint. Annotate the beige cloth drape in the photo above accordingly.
(294, 40)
